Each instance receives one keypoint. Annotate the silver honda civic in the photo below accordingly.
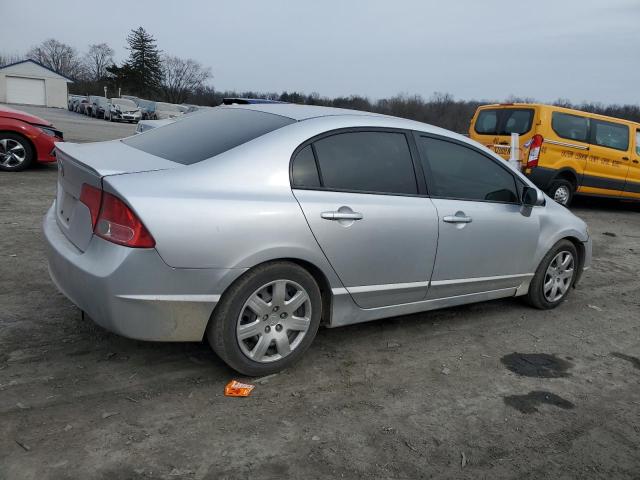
(252, 225)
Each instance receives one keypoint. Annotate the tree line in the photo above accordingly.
(150, 73)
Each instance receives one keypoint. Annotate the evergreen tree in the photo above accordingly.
(144, 64)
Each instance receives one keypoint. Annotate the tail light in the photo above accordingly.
(534, 150)
(113, 220)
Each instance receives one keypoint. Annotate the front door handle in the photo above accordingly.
(457, 218)
(337, 215)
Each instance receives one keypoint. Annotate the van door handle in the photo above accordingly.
(635, 161)
(337, 215)
(625, 158)
(457, 218)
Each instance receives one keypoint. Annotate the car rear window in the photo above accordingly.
(197, 137)
(504, 121)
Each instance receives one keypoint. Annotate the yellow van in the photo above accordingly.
(564, 151)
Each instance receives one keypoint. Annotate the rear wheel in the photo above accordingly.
(554, 277)
(562, 192)
(16, 153)
(266, 321)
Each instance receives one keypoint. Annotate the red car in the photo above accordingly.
(25, 139)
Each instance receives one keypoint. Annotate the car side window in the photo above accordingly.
(377, 162)
(637, 142)
(609, 134)
(571, 127)
(459, 172)
(304, 172)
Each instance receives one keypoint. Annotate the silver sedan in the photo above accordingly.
(251, 225)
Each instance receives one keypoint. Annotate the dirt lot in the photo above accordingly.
(436, 395)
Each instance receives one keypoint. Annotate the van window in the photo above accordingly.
(637, 142)
(366, 162)
(504, 121)
(609, 134)
(571, 127)
(463, 173)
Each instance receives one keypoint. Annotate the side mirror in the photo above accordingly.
(532, 197)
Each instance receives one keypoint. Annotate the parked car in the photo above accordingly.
(75, 102)
(566, 152)
(147, 108)
(98, 106)
(25, 139)
(81, 104)
(166, 110)
(88, 109)
(122, 109)
(250, 225)
(70, 101)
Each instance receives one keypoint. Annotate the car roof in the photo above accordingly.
(300, 112)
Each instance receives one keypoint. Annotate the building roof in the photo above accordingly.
(29, 60)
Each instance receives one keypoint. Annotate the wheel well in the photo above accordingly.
(27, 139)
(569, 176)
(581, 254)
(323, 283)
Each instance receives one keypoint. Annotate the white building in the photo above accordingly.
(31, 83)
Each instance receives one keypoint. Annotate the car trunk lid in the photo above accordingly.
(80, 164)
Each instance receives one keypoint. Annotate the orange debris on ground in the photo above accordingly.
(237, 389)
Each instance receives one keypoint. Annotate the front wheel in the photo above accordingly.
(562, 192)
(267, 319)
(554, 277)
(16, 153)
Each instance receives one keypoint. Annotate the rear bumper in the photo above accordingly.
(132, 292)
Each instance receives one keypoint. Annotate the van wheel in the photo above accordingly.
(562, 192)
(267, 319)
(554, 277)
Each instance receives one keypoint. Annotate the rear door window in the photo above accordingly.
(571, 127)
(304, 171)
(375, 162)
(609, 134)
(194, 138)
(504, 121)
(458, 172)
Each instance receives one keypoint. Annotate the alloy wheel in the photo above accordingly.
(273, 321)
(12, 153)
(558, 276)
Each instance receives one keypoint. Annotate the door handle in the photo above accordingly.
(625, 158)
(337, 215)
(635, 161)
(457, 219)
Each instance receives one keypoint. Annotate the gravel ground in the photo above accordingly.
(492, 390)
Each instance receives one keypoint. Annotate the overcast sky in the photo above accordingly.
(473, 49)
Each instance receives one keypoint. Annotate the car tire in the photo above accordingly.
(20, 150)
(552, 281)
(561, 191)
(272, 336)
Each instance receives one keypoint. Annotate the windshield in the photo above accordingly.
(168, 107)
(197, 137)
(123, 102)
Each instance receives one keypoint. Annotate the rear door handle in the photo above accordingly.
(337, 215)
(457, 219)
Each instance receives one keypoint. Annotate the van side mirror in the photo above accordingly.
(532, 197)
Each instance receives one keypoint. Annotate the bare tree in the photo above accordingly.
(182, 77)
(58, 56)
(7, 58)
(97, 59)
